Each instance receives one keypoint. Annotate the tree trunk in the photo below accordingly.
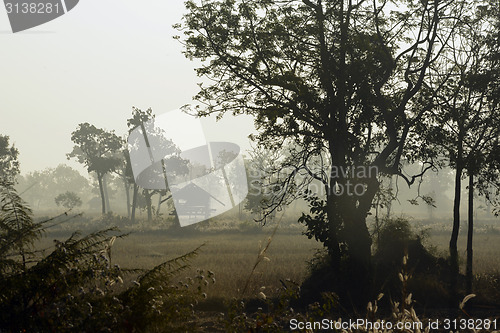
(147, 196)
(134, 202)
(470, 232)
(389, 203)
(333, 224)
(454, 269)
(359, 241)
(127, 193)
(159, 204)
(105, 188)
(355, 273)
(101, 191)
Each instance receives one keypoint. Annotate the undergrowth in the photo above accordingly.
(77, 288)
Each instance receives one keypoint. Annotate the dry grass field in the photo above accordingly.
(231, 250)
(231, 255)
(486, 250)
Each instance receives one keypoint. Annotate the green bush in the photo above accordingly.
(396, 240)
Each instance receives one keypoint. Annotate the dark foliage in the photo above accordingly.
(77, 288)
(426, 272)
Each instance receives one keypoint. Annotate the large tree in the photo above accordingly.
(98, 150)
(339, 79)
(124, 172)
(139, 118)
(171, 163)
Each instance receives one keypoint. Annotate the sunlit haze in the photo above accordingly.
(91, 65)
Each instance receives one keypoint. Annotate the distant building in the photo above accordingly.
(193, 201)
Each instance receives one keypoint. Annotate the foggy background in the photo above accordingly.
(96, 62)
(91, 65)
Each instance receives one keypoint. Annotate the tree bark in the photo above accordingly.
(147, 196)
(127, 193)
(159, 204)
(101, 191)
(454, 269)
(333, 222)
(105, 188)
(470, 233)
(389, 203)
(350, 212)
(359, 249)
(134, 202)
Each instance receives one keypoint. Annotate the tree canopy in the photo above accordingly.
(9, 164)
(39, 187)
(98, 150)
(345, 81)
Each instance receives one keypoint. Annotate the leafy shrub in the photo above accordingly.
(397, 240)
(68, 200)
(272, 316)
(110, 219)
(321, 278)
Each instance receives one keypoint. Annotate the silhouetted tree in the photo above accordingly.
(9, 165)
(171, 162)
(466, 120)
(98, 150)
(68, 200)
(334, 78)
(37, 185)
(484, 163)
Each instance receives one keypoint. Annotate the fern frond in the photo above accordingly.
(164, 271)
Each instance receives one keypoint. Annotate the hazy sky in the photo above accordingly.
(91, 65)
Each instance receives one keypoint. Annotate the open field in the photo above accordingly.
(232, 254)
(486, 248)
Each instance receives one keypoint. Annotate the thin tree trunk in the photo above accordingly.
(159, 204)
(389, 203)
(454, 269)
(470, 233)
(377, 220)
(105, 188)
(101, 191)
(147, 195)
(134, 202)
(127, 193)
